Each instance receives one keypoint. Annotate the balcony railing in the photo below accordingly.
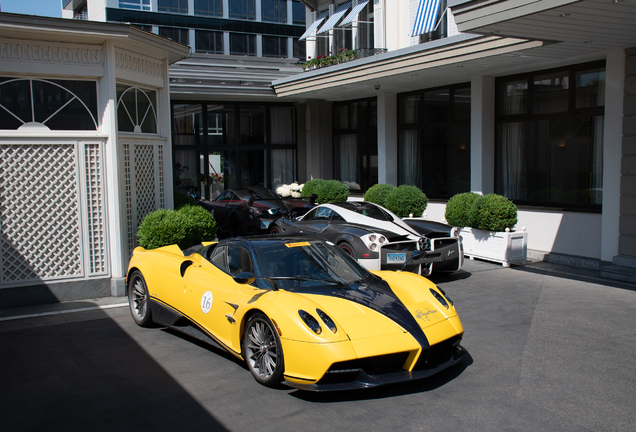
(343, 56)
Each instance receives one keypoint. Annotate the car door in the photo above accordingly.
(214, 296)
(316, 221)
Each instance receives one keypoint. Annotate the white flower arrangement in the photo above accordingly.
(351, 185)
(292, 190)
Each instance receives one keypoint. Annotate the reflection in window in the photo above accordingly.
(243, 9)
(299, 13)
(135, 4)
(274, 46)
(300, 50)
(210, 42)
(274, 11)
(176, 34)
(173, 6)
(553, 154)
(136, 110)
(210, 8)
(48, 104)
(434, 140)
(242, 44)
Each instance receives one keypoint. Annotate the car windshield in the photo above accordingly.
(368, 210)
(304, 264)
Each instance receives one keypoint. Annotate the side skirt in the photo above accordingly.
(170, 318)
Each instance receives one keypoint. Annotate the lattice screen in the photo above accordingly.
(144, 184)
(95, 210)
(39, 212)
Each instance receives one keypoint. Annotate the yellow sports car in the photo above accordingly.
(299, 311)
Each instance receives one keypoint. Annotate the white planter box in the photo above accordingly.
(502, 247)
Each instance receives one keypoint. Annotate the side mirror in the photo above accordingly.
(244, 278)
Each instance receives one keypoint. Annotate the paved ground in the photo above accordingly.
(551, 349)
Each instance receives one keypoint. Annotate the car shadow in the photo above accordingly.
(449, 277)
(390, 390)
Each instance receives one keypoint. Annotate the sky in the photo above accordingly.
(51, 8)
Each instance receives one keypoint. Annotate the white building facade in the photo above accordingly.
(84, 153)
(531, 100)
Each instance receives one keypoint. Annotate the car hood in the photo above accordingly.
(375, 310)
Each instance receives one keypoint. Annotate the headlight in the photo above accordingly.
(439, 298)
(310, 321)
(328, 321)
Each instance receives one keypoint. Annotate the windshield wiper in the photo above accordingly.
(304, 278)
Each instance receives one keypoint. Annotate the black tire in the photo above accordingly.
(274, 229)
(262, 351)
(347, 248)
(139, 299)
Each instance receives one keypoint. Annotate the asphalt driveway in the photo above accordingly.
(551, 349)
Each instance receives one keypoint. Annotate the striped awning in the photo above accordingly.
(354, 12)
(314, 25)
(333, 19)
(426, 17)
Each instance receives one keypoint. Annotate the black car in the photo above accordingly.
(248, 211)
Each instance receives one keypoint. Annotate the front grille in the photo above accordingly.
(437, 354)
(347, 371)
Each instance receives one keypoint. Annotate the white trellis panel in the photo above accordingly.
(52, 215)
(144, 189)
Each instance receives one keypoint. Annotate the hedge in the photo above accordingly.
(406, 200)
(377, 193)
(458, 207)
(185, 227)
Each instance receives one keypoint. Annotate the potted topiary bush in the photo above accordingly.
(377, 193)
(328, 191)
(311, 187)
(487, 224)
(406, 200)
(185, 227)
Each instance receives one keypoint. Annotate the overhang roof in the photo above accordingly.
(508, 37)
(31, 27)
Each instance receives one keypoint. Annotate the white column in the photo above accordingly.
(226, 9)
(190, 7)
(387, 137)
(612, 149)
(116, 211)
(482, 134)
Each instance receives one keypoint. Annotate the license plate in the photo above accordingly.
(395, 258)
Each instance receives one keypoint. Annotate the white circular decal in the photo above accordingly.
(206, 302)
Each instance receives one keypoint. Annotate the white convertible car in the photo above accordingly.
(379, 239)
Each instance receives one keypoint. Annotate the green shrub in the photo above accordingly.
(185, 227)
(458, 207)
(493, 213)
(181, 199)
(311, 187)
(405, 200)
(377, 193)
(331, 191)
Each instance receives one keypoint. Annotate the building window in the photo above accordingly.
(274, 46)
(40, 105)
(243, 9)
(242, 44)
(136, 110)
(434, 140)
(210, 8)
(209, 42)
(143, 5)
(298, 13)
(355, 143)
(219, 146)
(176, 34)
(274, 11)
(173, 6)
(300, 50)
(549, 148)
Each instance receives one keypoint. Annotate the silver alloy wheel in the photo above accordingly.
(261, 349)
(138, 298)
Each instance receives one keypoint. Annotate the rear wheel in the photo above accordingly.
(274, 229)
(139, 299)
(262, 350)
(347, 248)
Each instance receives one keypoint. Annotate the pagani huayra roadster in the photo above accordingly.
(299, 311)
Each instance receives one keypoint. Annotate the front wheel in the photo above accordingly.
(262, 350)
(139, 299)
